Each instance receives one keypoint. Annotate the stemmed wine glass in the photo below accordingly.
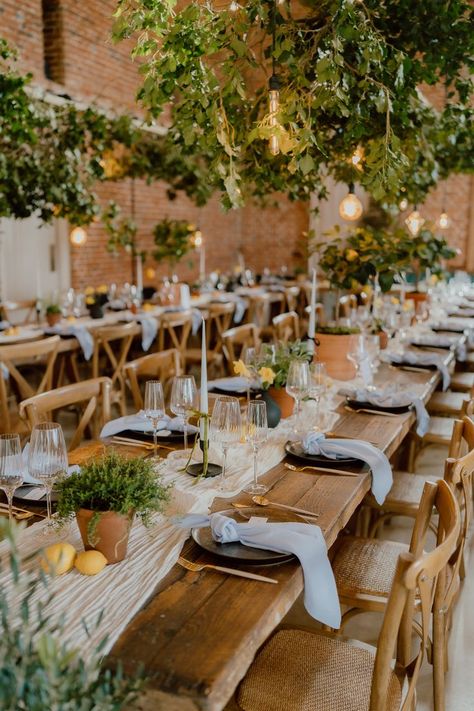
(184, 399)
(318, 385)
(154, 407)
(359, 356)
(11, 467)
(47, 457)
(297, 383)
(250, 360)
(257, 433)
(226, 427)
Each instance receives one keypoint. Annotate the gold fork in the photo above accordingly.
(327, 470)
(369, 412)
(197, 567)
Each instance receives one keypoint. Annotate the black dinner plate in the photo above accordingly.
(238, 552)
(449, 329)
(230, 393)
(405, 364)
(148, 436)
(444, 346)
(36, 502)
(359, 405)
(295, 449)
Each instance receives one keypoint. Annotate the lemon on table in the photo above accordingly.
(90, 562)
(58, 558)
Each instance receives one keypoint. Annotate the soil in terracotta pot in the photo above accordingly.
(110, 535)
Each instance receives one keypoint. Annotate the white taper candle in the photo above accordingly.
(204, 395)
(312, 310)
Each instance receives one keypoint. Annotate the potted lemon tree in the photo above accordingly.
(106, 496)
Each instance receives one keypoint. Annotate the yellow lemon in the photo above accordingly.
(90, 562)
(351, 254)
(58, 558)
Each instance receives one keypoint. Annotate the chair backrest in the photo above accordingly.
(236, 341)
(219, 320)
(292, 294)
(116, 354)
(94, 394)
(320, 314)
(259, 310)
(416, 574)
(25, 353)
(19, 313)
(161, 366)
(286, 327)
(175, 328)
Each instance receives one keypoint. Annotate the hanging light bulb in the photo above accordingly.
(197, 239)
(274, 106)
(350, 207)
(357, 158)
(403, 204)
(444, 221)
(78, 237)
(414, 222)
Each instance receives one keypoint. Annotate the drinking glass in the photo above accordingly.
(47, 456)
(154, 407)
(226, 427)
(297, 383)
(318, 385)
(250, 360)
(372, 345)
(11, 467)
(257, 433)
(184, 399)
(358, 355)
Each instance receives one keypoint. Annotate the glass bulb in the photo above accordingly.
(78, 237)
(444, 221)
(197, 239)
(350, 207)
(357, 158)
(274, 105)
(414, 222)
(403, 204)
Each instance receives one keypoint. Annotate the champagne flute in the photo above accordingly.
(257, 434)
(226, 427)
(47, 456)
(184, 399)
(318, 385)
(11, 467)
(154, 407)
(297, 383)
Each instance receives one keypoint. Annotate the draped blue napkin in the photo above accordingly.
(304, 540)
(382, 479)
(140, 423)
(392, 398)
(80, 332)
(420, 359)
(149, 330)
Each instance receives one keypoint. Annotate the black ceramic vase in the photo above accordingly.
(273, 410)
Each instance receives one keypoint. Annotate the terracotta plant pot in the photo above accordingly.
(383, 338)
(53, 319)
(284, 401)
(110, 535)
(332, 351)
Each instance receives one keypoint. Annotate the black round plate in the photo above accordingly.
(239, 553)
(404, 363)
(295, 449)
(359, 405)
(33, 502)
(148, 436)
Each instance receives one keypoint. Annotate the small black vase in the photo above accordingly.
(96, 311)
(273, 410)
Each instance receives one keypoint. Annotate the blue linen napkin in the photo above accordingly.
(304, 540)
(420, 359)
(149, 330)
(140, 423)
(382, 479)
(391, 398)
(80, 332)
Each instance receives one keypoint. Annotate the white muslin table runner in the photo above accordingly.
(140, 423)
(304, 540)
(391, 398)
(421, 359)
(122, 589)
(382, 478)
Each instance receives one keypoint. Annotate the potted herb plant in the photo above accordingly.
(53, 314)
(105, 496)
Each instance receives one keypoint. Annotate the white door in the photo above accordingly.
(34, 259)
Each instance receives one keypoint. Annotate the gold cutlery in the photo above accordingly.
(262, 501)
(370, 412)
(138, 443)
(247, 517)
(411, 368)
(336, 435)
(197, 567)
(19, 514)
(326, 470)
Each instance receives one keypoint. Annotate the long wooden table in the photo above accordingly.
(199, 632)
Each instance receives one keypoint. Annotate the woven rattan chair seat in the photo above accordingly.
(366, 566)
(404, 496)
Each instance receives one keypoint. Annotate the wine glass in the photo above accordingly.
(11, 467)
(257, 433)
(226, 427)
(250, 359)
(154, 407)
(47, 457)
(358, 355)
(184, 399)
(318, 385)
(297, 383)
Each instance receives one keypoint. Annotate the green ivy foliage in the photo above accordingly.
(350, 72)
(173, 239)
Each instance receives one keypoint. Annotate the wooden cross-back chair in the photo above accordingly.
(19, 313)
(258, 312)
(42, 352)
(286, 327)
(292, 294)
(92, 396)
(111, 347)
(219, 318)
(307, 670)
(162, 366)
(236, 341)
(175, 328)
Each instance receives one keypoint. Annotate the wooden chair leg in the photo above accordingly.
(412, 453)
(439, 660)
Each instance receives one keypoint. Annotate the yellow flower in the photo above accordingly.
(394, 300)
(90, 300)
(267, 375)
(241, 369)
(102, 289)
(89, 290)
